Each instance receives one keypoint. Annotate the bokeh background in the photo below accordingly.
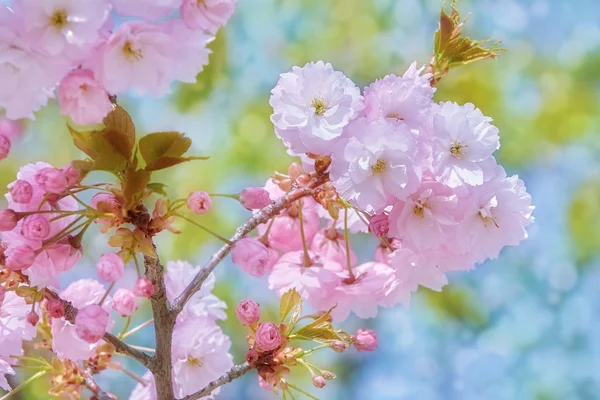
(525, 326)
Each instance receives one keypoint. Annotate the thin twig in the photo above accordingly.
(233, 373)
(91, 384)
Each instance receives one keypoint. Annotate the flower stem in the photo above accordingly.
(137, 328)
(307, 260)
(299, 390)
(221, 238)
(106, 294)
(231, 196)
(22, 385)
(127, 323)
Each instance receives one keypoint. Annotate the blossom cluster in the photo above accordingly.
(421, 176)
(83, 51)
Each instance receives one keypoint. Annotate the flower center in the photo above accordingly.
(379, 167)
(395, 116)
(320, 106)
(457, 150)
(419, 208)
(487, 220)
(59, 19)
(130, 53)
(194, 361)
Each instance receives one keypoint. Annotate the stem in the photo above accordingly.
(233, 373)
(85, 206)
(142, 348)
(221, 238)
(91, 384)
(231, 196)
(347, 240)
(127, 322)
(22, 385)
(310, 351)
(106, 293)
(302, 391)
(137, 328)
(307, 260)
(137, 266)
(264, 239)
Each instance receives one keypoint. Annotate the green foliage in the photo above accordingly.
(455, 304)
(583, 212)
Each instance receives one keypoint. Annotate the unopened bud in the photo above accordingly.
(33, 318)
(328, 375)
(252, 356)
(318, 381)
(338, 346)
(55, 308)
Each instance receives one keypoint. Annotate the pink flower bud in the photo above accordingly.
(19, 257)
(253, 257)
(33, 318)
(55, 308)
(251, 356)
(52, 180)
(143, 288)
(379, 225)
(267, 336)
(254, 198)
(199, 202)
(4, 147)
(318, 381)
(21, 192)
(36, 227)
(72, 175)
(248, 312)
(8, 220)
(110, 267)
(90, 323)
(124, 302)
(365, 340)
(327, 374)
(338, 346)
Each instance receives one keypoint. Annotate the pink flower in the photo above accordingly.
(147, 9)
(36, 227)
(83, 98)
(253, 257)
(330, 244)
(318, 381)
(21, 192)
(33, 318)
(124, 302)
(15, 328)
(311, 107)
(383, 251)
(110, 267)
(55, 308)
(379, 225)
(376, 164)
(143, 288)
(248, 312)
(208, 15)
(463, 144)
(19, 257)
(267, 336)
(4, 147)
(52, 180)
(199, 202)
(52, 262)
(72, 174)
(11, 129)
(252, 356)
(5, 369)
(365, 340)
(91, 322)
(254, 198)
(407, 98)
(8, 220)
(145, 391)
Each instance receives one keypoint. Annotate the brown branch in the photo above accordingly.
(233, 373)
(258, 218)
(91, 384)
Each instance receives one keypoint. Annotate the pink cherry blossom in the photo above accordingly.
(254, 198)
(55, 308)
(464, 141)
(72, 174)
(83, 98)
(91, 322)
(375, 165)
(365, 340)
(5, 369)
(52, 262)
(267, 336)
(11, 129)
(147, 9)
(124, 302)
(8, 220)
(19, 257)
(208, 15)
(407, 98)
(199, 202)
(36, 227)
(311, 107)
(52, 180)
(253, 257)
(15, 328)
(379, 225)
(5, 146)
(330, 244)
(21, 192)
(143, 288)
(147, 391)
(110, 267)
(248, 312)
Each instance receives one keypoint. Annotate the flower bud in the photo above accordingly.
(36, 227)
(379, 225)
(254, 198)
(251, 356)
(72, 175)
(267, 336)
(55, 308)
(91, 322)
(248, 312)
(19, 257)
(295, 170)
(4, 147)
(52, 180)
(110, 267)
(143, 288)
(318, 381)
(199, 202)
(328, 375)
(253, 257)
(33, 318)
(8, 220)
(21, 192)
(124, 302)
(338, 346)
(365, 340)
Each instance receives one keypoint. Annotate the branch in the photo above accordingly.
(91, 384)
(258, 218)
(233, 373)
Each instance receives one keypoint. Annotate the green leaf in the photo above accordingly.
(289, 301)
(120, 131)
(319, 335)
(158, 188)
(94, 143)
(163, 144)
(134, 185)
(166, 162)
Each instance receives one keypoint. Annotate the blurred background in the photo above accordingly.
(525, 326)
